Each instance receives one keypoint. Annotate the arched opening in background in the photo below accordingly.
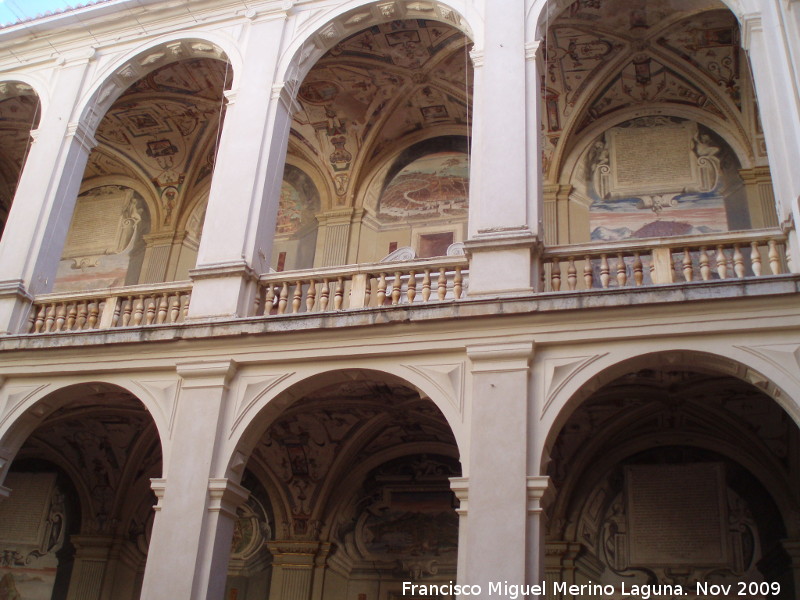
(19, 115)
(383, 133)
(650, 124)
(674, 475)
(350, 493)
(80, 511)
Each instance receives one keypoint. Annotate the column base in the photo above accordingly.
(15, 306)
(222, 291)
(503, 263)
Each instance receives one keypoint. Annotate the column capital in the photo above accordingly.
(4, 492)
(298, 552)
(82, 135)
(751, 24)
(159, 487)
(285, 93)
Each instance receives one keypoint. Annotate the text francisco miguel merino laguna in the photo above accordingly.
(511, 591)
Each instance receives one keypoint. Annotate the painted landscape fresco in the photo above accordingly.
(434, 185)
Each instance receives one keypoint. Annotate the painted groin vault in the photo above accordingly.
(305, 300)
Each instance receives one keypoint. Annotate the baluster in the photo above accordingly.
(117, 312)
(94, 313)
(127, 309)
(604, 270)
(72, 315)
(397, 284)
(572, 274)
(338, 294)
(638, 270)
(457, 284)
(774, 258)
(40, 316)
(722, 263)
(138, 311)
(368, 290)
(382, 289)
(705, 267)
(174, 307)
(283, 299)
(426, 285)
(326, 292)
(151, 311)
(738, 261)
(61, 316)
(441, 284)
(622, 272)
(163, 307)
(82, 309)
(311, 296)
(411, 292)
(50, 318)
(269, 299)
(260, 292)
(186, 297)
(755, 259)
(688, 270)
(297, 298)
(555, 275)
(588, 276)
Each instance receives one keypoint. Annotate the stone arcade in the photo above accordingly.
(356, 300)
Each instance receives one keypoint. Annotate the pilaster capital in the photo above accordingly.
(206, 374)
(4, 492)
(532, 49)
(500, 357)
(78, 57)
(538, 487)
(751, 25)
(230, 96)
(82, 135)
(298, 552)
(285, 94)
(234, 268)
(225, 496)
(159, 487)
(477, 58)
(14, 288)
(460, 487)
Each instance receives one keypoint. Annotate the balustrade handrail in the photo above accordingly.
(129, 290)
(675, 242)
(365, 269)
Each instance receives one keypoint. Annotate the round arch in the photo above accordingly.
(137, 63)
(764, 374)
(29, 412)
(38, 86)
(267, 405)
(568, 158)
(315, 37)
(542, 12)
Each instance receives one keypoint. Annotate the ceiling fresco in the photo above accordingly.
(375, 88)
(607, 56)
(163, 130)
(19, 114)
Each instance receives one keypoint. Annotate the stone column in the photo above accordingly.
(537, 488)
(505, 179)
(236, 243)
(89, 573)
(496, 542)
(37, 225)
(298, 569)
(195, 514)
(766, 41)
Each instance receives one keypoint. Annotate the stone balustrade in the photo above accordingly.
(134, 306)
(636, 263)
(420, 281)
(583, 267)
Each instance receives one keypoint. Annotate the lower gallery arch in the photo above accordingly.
(77, 521)
(350, 492)
(673, 474)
